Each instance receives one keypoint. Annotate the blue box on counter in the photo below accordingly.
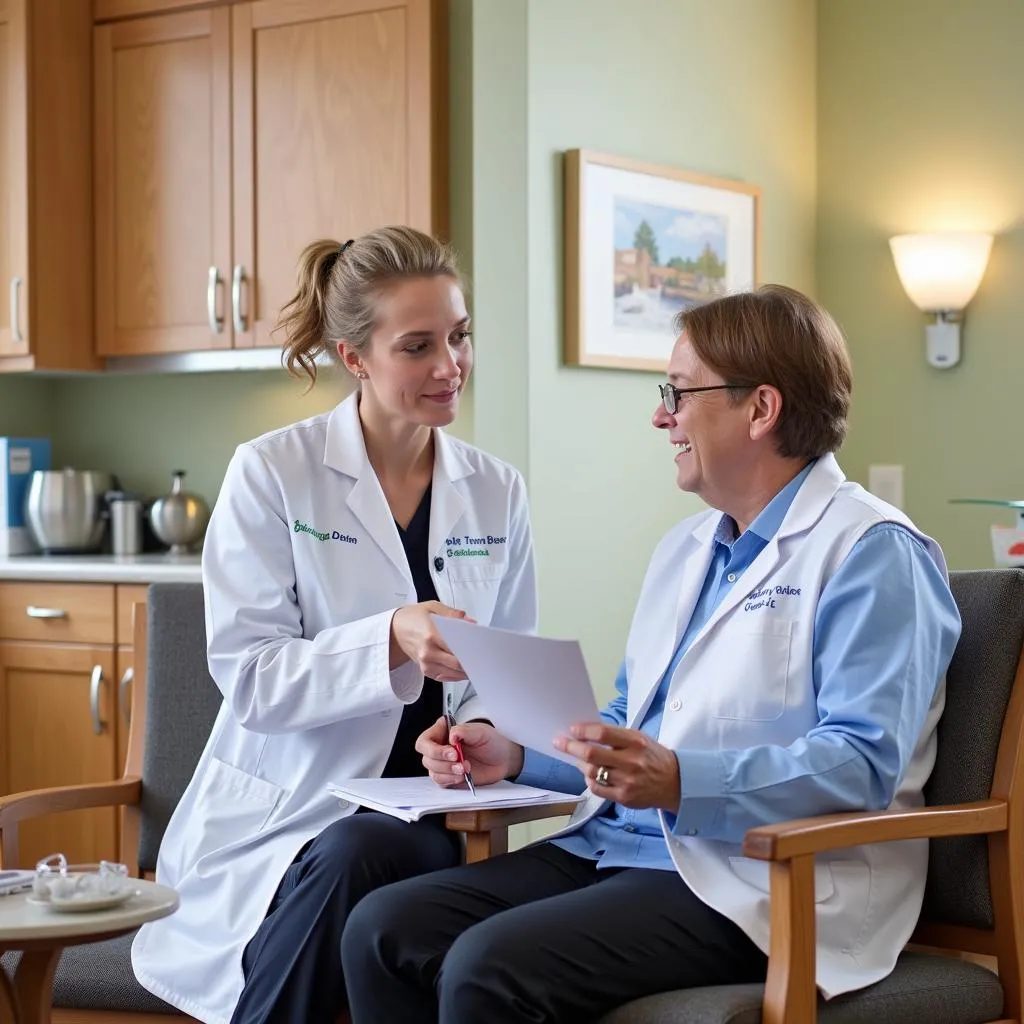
(19, 458)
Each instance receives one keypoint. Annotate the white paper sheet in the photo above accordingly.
(533, 688)
(412, 798)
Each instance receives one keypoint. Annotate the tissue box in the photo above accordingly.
(19, 458)
(1007, 545)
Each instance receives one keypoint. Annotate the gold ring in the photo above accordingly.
(601, 777)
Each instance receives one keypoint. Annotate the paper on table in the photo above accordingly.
(533, 688)
(410, 799)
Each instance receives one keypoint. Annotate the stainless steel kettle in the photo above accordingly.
(66, 509)
(179, 519)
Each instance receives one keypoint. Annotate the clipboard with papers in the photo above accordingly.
(413, 798)
(532, 689)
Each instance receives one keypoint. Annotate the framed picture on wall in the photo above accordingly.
(642, 243)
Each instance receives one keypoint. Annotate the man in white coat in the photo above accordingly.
(786, 659)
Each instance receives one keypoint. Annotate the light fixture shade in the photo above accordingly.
(941, 271)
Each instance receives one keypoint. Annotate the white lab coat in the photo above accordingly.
(303, 569)
(746, 681)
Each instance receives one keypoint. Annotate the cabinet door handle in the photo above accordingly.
(35, 612)
(122, 693)
(16, 334)
(95, 682)
(236, 298)
(216, 322)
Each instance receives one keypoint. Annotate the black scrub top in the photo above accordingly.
(404, 760)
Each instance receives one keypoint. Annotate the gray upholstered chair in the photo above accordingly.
(174, 703)
(974, 900)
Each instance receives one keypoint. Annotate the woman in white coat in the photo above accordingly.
(332, 541)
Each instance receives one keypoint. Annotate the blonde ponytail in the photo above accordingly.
(338, 285)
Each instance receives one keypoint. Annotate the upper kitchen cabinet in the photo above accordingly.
(109, 10)
(163, 183)
(228, 138)
(46, 233)
(337, 130)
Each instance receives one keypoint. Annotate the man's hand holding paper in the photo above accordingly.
(636, 770)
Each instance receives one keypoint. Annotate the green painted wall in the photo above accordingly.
(725, 88)
(26, 406)
(919, 130)
(499, 61)
(143, 427)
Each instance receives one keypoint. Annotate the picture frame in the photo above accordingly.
(642, 242)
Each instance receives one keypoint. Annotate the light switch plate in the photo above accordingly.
(886, 482)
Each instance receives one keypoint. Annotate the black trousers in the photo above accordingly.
(538, 935)
(292, 965)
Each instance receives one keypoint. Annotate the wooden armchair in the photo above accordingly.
(174, 703)
(973, 902)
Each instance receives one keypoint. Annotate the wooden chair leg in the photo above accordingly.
(486, 831)
(8, 1005)
(789, 993)
(483, 845)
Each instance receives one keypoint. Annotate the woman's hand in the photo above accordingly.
(415, 638)
(489, 755)
(640, 771)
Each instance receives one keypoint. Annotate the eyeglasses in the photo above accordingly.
(670, 394)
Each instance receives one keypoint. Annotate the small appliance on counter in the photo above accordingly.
(66, 509)
(179, 519)
(1007, 541)
(126, 534)
(20, 457)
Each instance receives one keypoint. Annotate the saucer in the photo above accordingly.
(80, 905)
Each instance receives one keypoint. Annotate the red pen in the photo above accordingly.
(450, 718)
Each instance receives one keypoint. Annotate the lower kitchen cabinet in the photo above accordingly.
(127, 597)
(57, 726)
(125, 662)
(66, 669)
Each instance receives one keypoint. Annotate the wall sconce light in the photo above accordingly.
(941, 273)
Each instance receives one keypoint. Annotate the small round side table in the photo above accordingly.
(41, 934)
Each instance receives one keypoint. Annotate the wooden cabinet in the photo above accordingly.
(57, 713)
(13, 174)
(127, 596)
(227, 138)
(46, 231)
(109, 10)
(125, 671)
(163, 215)
(335, 119)
(65, 649)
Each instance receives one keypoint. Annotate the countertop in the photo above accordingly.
(155, 568)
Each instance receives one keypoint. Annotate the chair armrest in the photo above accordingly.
(486, 832)
(791, 839)
(488, 821)
(36, 802)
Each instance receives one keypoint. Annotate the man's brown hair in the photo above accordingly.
(778, 336)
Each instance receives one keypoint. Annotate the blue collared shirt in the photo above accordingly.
(889, 603)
